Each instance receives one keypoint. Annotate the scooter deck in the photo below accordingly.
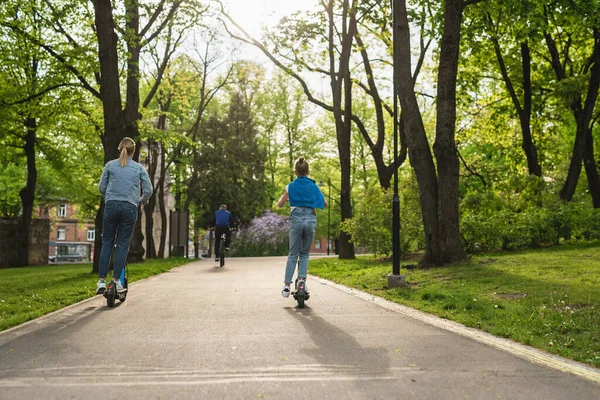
(119, 292)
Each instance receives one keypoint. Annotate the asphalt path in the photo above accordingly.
(204, 332)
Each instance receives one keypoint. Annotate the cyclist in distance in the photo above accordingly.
(120, 186)
(222, 221)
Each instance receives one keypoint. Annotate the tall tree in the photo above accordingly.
(438, 191)
(568, 29)
(522, 106)
(231, 166)
(125, 120)
(33, 76)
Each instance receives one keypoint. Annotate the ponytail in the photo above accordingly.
(123, 157)
(126, 148)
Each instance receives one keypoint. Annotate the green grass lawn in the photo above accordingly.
(29, 292)
(547, 298)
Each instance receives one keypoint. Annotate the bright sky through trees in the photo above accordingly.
(253, 14)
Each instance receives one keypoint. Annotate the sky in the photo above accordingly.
(252, 14)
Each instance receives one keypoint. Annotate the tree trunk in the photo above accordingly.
(586, 122)
(445, 146)
(528, 145)
(27, 194)
(442, 238)
(98, 238)
(162, 206)
(114, 128)
(131, 112)
(151, 206)
(583, 147)
(418, 147)
(591, 170)
(136, 250)
(524, 112)
(341, 86)
(568, 188)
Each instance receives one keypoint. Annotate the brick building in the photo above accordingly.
(71, 239)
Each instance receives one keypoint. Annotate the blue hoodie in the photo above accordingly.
(303, 192)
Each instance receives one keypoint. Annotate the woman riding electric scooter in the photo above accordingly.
(120, 186)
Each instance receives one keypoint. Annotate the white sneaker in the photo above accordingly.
(101, 286)
(285, 292)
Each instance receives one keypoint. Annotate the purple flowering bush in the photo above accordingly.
(266, 235)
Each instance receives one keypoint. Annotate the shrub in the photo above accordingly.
(491, 222)
(371, 225)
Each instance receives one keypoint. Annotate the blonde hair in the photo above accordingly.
(223, 207)
(126, 148)
(301, 167)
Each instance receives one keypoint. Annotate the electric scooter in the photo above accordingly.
(300, 294)
(112, 293)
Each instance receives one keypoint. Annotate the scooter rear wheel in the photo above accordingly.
(301, 294)
(300, 300)
(110, 295)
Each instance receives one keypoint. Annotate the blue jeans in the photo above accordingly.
(303, 224)
(119, 221)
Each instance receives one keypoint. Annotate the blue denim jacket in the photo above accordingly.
(123, 183)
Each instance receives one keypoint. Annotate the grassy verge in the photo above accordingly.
(30, 292)
(547, 298)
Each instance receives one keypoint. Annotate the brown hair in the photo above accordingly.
(301, 167)
(223, 207)
(126, 148)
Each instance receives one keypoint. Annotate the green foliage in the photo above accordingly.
(510, 219)
(371, 225)
(230, 164)
(12, 180)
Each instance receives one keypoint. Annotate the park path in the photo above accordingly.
(202, 332)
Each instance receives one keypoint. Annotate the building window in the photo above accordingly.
(62, 234)
(62, 210)
(318, 244)
(91, 234)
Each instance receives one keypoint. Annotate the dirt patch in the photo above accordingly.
(488, 261)
(509, 296)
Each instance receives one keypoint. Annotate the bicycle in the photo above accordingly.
(222, 250)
